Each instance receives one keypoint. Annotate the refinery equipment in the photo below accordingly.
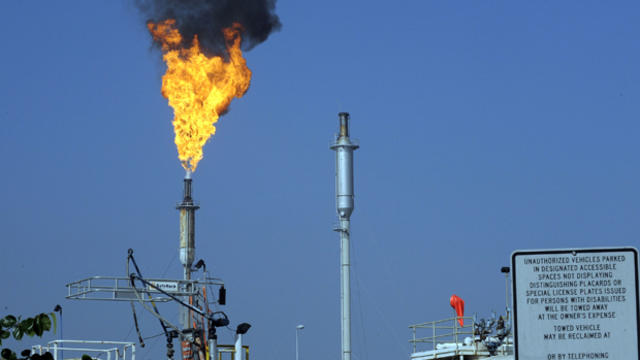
(344, 147)
(448, 339)
(199, 320)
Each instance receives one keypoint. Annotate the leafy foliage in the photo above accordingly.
(16, 327)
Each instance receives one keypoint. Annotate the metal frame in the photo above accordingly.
(119, 350)
(232, 350)
(449, 331)
(450, 325)
(113, 288)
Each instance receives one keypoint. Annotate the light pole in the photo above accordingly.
(299, 327)
(58, 309)
(505, 270)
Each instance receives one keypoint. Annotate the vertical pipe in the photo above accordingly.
(237, 354)
(213, 348)
(506, 270)
(433, 338)
(455, 331)
(345, 291)
(298, 328)
(187, 250)
(344, 205)
(414, 339)
(61, 334)
(506, 294)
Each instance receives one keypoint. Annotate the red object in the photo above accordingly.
(187, 354)
(458, 304)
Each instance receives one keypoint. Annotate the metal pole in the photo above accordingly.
(213, 349)
(506, 294)
(345, 291)
(299, 327)
(433, 328)
(344, 204)
(238, 348)
(414, 339)
(455, 332)
(61, 336)
(505, 270)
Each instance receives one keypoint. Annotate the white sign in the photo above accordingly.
(576, 304)
(168, 286)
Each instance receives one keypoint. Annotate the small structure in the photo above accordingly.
(109, 350)
(447, 339)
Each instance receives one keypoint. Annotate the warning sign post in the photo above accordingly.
(576, 304)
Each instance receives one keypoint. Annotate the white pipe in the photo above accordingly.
(299, 327)
(238, 348)
(213, 349)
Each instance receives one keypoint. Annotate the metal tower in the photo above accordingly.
(344, 147)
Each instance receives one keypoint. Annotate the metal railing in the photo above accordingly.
(119, 288)
(231, 349)
(113, 350)
(446, 330)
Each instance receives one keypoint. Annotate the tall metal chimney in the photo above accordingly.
(344, 205)
(187, 210)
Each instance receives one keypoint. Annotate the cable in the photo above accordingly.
(135, 321)
(166, 269)
(155, 308)
(154, 311)
(163, 321)
(384, 320)
(175, 298)
(169, 265)
(388, 267)
(156, 314)
(356, 273)
(153, 336)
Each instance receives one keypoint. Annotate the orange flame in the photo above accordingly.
(199, 88)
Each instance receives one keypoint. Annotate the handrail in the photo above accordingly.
(232, 350)
(119, 351)
(441, 329)
(115, 288)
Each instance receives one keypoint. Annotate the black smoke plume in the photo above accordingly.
(207, 18)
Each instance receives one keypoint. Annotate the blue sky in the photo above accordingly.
(485, 127)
